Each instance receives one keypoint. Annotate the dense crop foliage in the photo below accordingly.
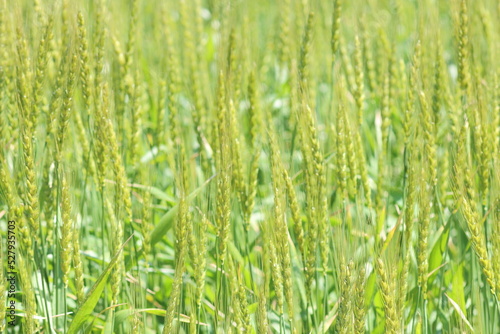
(192, 166)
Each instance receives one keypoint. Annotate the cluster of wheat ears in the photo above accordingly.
(237, 166)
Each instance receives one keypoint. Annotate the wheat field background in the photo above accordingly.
(217, 166)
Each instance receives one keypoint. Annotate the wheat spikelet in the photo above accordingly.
(66, 232)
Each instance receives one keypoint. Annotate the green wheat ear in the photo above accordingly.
(384, 282)
(66, 232)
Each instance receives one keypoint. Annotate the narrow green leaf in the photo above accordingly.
(457, 288)
(459, 311)
(437, 253)
(168, 218)
(158, 193)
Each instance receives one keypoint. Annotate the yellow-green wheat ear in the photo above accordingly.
(337, 12)
(429, 129)
(41, 67)
(284, 33)
(368, 57)
(465, 201)
(280, 225)
(66, 232)
(359, 301)
(223, 199)
(200, 269)
(180, 254)
(496, 119)
(384, 283)
(15, 210)
(344, 319)
(410, 104)
(66, 108)
(342, 152)
(78, 266)
(359, 77)
(463, 51)
(32, 203)
(296, 212)
(305, 49)
(83, 58)
(423, 235)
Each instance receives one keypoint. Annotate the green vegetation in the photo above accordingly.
(192, 166)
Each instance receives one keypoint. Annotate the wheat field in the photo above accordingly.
(237, 166)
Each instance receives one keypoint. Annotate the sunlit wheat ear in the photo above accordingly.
(496, 119)
(429, 129)
(261, 316)
(201, 267)
(361, 159)
(437, 94)
(359, 75)
(66, 109)
(180, 254)
(276, 272)
(66, 232)
(280, 224)
(463, 51)
(224, 172)
(244, 312)
(496, 239)
(341, 136)
(305, 49)
(24, 76)
(32, 209)
(40, 69)
(99, 52)
(15, 210)
(352, 158)
(137, 119)
(385, 285)
(410, 104)
(298, 229)
(477, 237)
(78, 266)
(344, 319)
(424, 219)
(337, 12)
(285, 39)
(87, 157)
(382, 163)
(359, 301)
(83, 58)
(236, 162)
(347, 66)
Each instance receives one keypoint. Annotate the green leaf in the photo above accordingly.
(460, 312)
(158, 193)
(166, 222)
(93, 296)
(457, 288)
(371, 285)
(108, 327)
(437, 254)
(235, 253)
(328, 320)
